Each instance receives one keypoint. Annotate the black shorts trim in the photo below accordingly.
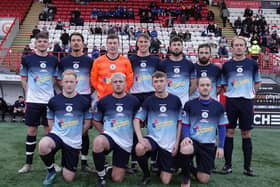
(165, 159)
(241, 110)
(36, 114)
(120, 157)
(204, 153)
(70, 155)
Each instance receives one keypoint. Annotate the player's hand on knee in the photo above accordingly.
(219, 153)
(186, 141)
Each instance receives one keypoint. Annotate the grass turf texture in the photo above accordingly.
(266, 163)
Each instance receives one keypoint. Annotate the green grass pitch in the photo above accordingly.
(266, 163)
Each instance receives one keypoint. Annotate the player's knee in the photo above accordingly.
(203, 177)
(68, 175)
(165, 179)
(68, 178)
(139, 149)
(98, 144)
(117, 178)
(32, 131)
(246, 134)
(186, 150)
(43, 147)
(230, 133)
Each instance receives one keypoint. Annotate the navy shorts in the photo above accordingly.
(165, 159)
(36, 114)
(120, 156)
(240, 109)
(204, 154)
(69, 157)
(143, 96)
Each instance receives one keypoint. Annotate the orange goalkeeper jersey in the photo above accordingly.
(102, 70)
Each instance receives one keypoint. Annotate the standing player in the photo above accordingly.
(205, 69)
(241, 79)
(162, 112)
(143, 65)
(66, 115)
(113, 117)
(180, 72)
(105, 66)
(201, 117)
(81, 64)
(37, 76)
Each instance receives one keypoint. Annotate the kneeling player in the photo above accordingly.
(201, 117)
(114, 116)
(162, 111)
(66, 115)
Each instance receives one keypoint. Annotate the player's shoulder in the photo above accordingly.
(173, 97)
(133, 57)
(106, 98)
(82, 100)
(65, 59)
(86, 58)
(52, 57)
(217, 103)
(123, 59)
(101, 59)
(132, 97)
(154, 57)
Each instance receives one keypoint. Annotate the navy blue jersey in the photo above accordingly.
(117, 115)
(240, 78)
(143, 69)
(19, 104)
(213, 72)
(82, 66)
(203, 119)
(179, 75)
(40, 72)
(162, 115)
(68, 115)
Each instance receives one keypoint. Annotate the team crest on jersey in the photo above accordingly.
(143, 65)
(184, 113)
(163, 109)
(119, 108)
(177, 70)
(140, 109)
(21, 66)
(112, 66)
(76, 66)
(203, 74)
(239, 70)
(204, 115)
(43, 65)
(69, 109)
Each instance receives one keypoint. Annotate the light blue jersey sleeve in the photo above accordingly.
(142, 112)
(23, 68)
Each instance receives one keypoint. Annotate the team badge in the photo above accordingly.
(163, 108)
(176, 70)
(112, 66)
(143, 65)
(239, 70)
(69, 109)
(76, 66)
(203, 74)
(21, 66)
(204, 115)
(119, 109)
(43, 65)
